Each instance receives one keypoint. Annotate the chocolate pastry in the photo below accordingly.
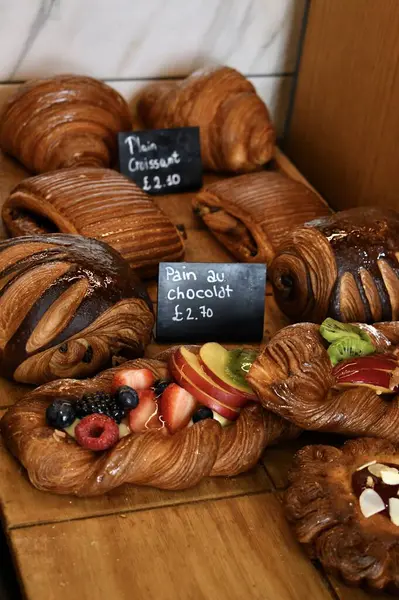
(64, 121)
(236, 131)
(67, 306)
(55, 463)
(345, 514)
(294, 377)
(345, 266)
(100, 204)
(251, 214)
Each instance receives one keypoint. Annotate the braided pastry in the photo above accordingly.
(250, 214)
(336, 523)
(294, 377)
(154, 458)
(67, 306)
(345, 266)
(64, 121)
(236, 132)
(100, 204)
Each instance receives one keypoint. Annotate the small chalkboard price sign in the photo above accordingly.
(162, 161)
(200, 302)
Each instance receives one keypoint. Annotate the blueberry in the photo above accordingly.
(202, 413)
(61, 413)
(127, 397)
(160, 386)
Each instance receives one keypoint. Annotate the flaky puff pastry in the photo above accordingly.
(236, 132)
(56, 463)
(63, 121)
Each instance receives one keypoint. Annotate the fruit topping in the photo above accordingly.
(160, 386)
(222, 420)
(378, 372)
(137, 379)
(202, 413)
(97, 432)
(60, 413)
(228, 368)
(126, 397)
(346, 340)
(124, 429)
(371, 503)
(99, 403)
(177, 407)
(332, 331)
(70, 430)
(146, 415)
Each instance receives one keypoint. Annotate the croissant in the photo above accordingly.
(294, 377)
(250, 214)
(67, 306)
(236, 131)
(55, 463)
(64, 121)
(97, 203)
(345, 266)
(328, 512)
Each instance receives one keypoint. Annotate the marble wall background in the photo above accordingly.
(129, 42)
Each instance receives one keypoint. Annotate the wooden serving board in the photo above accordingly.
(224, 539)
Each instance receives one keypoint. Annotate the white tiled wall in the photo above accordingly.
(128, 42)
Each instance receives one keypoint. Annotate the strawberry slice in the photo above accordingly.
(146, 415)
(177, 407)
(138, 379)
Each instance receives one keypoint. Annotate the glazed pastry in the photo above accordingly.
(345, 266)
(64, 121)
(349, 386)
(96, 203)
(236, 131)
(68, 305)
(144, 452)
(345, 512)
(251, 214)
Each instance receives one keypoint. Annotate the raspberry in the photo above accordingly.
(97, 432)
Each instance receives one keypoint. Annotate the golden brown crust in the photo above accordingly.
(236, 131)
(293, 377)
(251, 214)
(344, 266)
(97, 203)
(154, 458)
(63, 121)
(325, 513)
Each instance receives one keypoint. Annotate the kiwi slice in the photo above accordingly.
(349, 347)
(239, 363)
(332, 331)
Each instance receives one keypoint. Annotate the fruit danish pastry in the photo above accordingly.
(252, 213)
(135, 424)
(236, 131)
(344, 266)
(68, 305)
(335, 377)
(344, 507)
(63, 121)
(100, 204)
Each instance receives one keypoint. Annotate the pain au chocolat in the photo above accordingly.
(344, 266)
(63, 121)
(236, 132)
(100, 204)
(68, 304)
(251, 214)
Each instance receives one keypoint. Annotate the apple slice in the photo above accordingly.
(376, 372)
(181, 377)
(189, 364)
(214, 359)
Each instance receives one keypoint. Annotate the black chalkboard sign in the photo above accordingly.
(162, 161)
(200, 302)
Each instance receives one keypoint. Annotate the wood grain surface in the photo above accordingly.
(345, 124)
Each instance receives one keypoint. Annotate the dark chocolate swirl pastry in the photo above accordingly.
(68, 304)
(64, 121)
(344, 266)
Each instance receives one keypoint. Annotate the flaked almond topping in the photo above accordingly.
(371, 503)
(366, 465)
(376, 468)
(59, 435)
(370, 482)
(394, 510)
(391, 476)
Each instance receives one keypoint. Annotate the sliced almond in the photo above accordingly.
(394, 510)
(371, 503)
(370, 481)
(372, 462)
(377, 468)
(390, 477)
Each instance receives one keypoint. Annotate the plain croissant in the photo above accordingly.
(251, 214)
(64, 121)
(236, 131)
